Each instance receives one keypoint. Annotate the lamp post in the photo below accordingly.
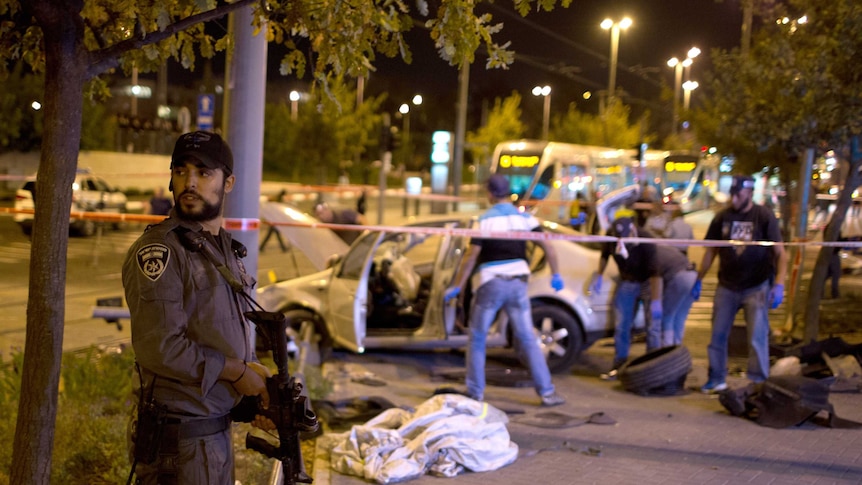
(294, 104)
(687, 88)
(546, 112)
(678, 67)
(404, 109)
(615, 44)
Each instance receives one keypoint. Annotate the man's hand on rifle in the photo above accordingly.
(252, 382)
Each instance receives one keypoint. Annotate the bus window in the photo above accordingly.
(543, 185)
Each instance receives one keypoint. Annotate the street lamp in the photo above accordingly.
(546, 114)
(687, 88)
(678, 67)
(615, 44)
(294, 104)
(404, 109)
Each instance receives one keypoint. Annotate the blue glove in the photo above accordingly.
(451, 292)
(655, 310)
(695, 290)
(776, 295)
(557, 282)
(596, 284)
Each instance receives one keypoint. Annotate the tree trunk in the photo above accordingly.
(64, 80)
(818, 277)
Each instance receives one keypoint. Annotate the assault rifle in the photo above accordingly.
(289, 408)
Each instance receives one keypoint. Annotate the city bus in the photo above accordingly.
(547, 176)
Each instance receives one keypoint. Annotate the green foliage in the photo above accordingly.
(90, 444)
(20, 125)
(798, 86)
(327, 131)
(504, 123)
(10, 389)
(612, 129)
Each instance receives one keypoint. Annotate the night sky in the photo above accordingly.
(570, 40)
(565, 49)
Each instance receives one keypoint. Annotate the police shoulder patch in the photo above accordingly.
(153, 260)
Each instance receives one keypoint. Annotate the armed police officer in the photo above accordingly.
(192, 343)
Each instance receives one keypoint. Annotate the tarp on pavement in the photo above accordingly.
(446, 435)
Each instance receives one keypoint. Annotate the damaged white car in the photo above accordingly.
(386, 292)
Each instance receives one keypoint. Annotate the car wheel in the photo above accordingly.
(308, 332)
(659, 371)
(559, 335)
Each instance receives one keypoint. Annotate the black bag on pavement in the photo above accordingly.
(783, 401)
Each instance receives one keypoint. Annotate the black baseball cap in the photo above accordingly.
(498, 186)
(741, 182)
(205, 146)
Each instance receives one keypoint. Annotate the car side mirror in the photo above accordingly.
(333, 260)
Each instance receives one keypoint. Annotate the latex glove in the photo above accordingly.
(776, 295)
(655, 310)
(451, 292)
(557, 282)
(695, 290)
(596, 284)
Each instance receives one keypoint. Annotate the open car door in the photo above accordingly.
(348, 293)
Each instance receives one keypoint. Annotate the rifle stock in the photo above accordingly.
(289, 406)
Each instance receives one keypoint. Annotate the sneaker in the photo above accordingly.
(713, 387)
(611, 375)
(553, 399)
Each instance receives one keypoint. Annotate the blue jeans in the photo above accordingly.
(626, 298)
(754, 302)
(489, 299)
(676, 302)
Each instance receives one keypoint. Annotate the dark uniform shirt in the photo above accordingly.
(641, 262)
(186, 318)
(745, 267)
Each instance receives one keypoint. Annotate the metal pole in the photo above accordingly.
(546, 117)
(245, 133)
(460, 131)
(612, 76)
(677, 87)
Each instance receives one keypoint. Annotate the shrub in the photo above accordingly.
(93, 414)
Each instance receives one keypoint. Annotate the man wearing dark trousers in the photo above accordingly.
(750, 277)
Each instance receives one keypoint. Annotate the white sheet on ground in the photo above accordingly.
(446, 435)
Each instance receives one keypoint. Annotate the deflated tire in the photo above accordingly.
(661, 371)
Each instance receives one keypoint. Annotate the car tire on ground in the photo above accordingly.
(319, 342)
(659, 371)
(560, 336)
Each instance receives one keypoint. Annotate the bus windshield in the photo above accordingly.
(678, 171)
(520, 168)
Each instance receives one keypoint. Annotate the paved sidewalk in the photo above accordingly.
(684, 439)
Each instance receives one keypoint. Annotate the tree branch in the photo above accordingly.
(104, 59)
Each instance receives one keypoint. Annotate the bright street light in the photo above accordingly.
(687, 88)
(546, 113)
(615, 44)
(294, 100)
(678, 67)
(404, 109)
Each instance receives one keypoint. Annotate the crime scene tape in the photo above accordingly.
(254, 224)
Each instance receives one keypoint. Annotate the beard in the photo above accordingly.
(207, 213)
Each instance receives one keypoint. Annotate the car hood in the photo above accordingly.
(317, 244)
